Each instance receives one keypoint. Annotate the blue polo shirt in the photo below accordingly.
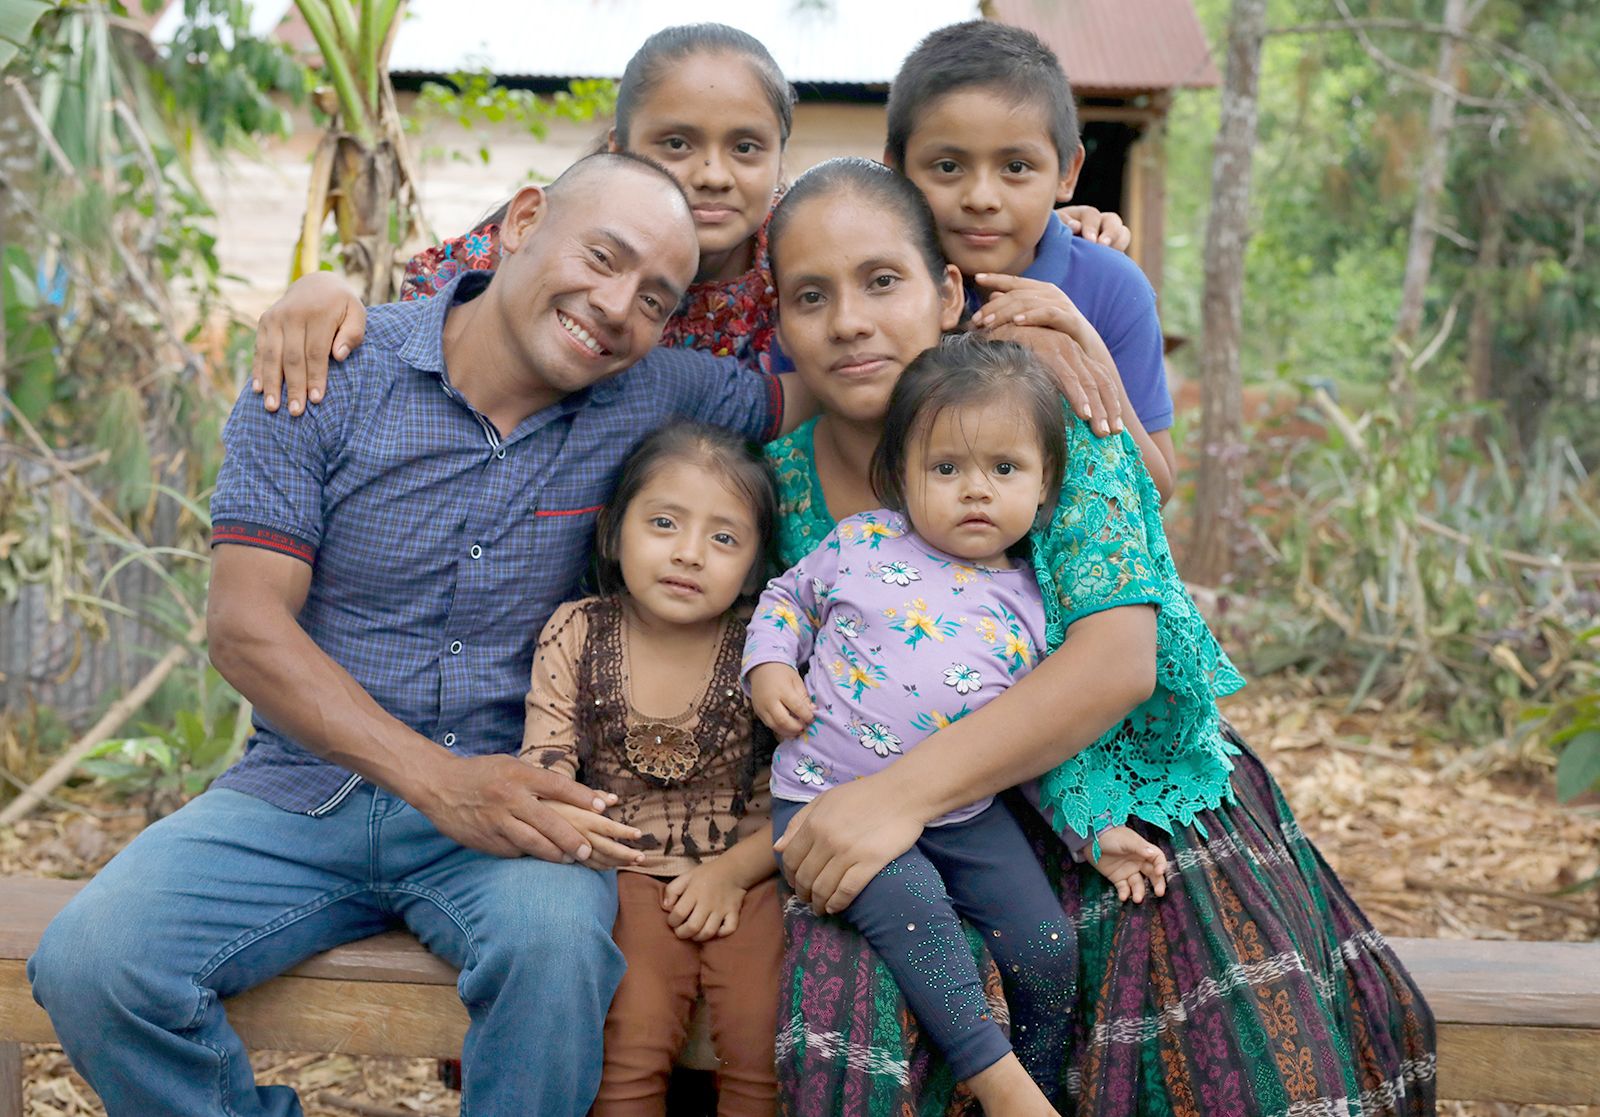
(1117, 299)
(439, 549)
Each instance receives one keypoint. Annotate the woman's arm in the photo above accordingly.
(1104, 668)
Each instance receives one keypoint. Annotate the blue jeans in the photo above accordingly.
(230, 891)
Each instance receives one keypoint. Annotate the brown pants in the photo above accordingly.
(649, 1019)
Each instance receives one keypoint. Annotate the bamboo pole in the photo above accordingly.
(121, 710)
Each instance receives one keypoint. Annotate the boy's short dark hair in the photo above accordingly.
(1009, 60)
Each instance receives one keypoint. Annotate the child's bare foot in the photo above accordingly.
(1005, 1090)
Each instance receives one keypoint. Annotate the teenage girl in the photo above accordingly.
(910, 619)
(707, 102)
(638, 689)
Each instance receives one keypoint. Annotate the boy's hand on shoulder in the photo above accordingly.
(318, 316)
(703, 904)
(778, 696)
(1128, 861)
(1100, 226)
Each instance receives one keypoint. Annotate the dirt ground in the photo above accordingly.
(1431, 839)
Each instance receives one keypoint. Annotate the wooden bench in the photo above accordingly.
(1518, 1021)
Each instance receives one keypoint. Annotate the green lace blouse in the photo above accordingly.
(1104, 547)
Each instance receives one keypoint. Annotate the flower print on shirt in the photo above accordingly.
(965, 679)
(1002, 630)
(897, 573)
(855, 676)
(919, 623)
(848, 625)
(876, 737)
(783, 618)
(810, 771)
(931, 721)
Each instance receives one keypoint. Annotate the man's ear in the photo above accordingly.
(1069, 177)
(952, 299)
(524, 212)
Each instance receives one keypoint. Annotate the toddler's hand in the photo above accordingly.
(703, 904)
(778, 695)
(605, 836)
(1127, 861)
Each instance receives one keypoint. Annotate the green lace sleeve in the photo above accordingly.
(803, 519)
(1105, 547)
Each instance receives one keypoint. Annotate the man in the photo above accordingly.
(381, 568)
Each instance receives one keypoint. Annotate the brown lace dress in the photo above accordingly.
(695, 783)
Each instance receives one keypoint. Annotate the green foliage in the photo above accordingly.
(174, 759)
(17, 18)
(1333, 190)
(475, 99)
(220, 82)
(1433, 572)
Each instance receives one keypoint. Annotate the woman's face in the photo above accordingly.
(856, 302)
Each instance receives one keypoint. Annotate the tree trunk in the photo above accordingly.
(1485, 272)
(1425, 214)
(1219, 493)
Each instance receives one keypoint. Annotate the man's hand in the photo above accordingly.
(1100, 226)
(1127, 861)
(507, 807)
(842, 839)
(703, 904)
(778, 696)
(317, 316)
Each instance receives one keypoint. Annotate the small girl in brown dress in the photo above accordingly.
(639, 689)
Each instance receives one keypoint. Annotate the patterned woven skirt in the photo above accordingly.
(1255, 987)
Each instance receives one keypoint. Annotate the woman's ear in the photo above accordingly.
(613, 146)
(952, 299)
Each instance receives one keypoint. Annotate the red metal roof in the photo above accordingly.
(1115, 46)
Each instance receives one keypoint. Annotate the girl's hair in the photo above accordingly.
(963, 370)
(725, 455)
(873, 182)
(673, 44)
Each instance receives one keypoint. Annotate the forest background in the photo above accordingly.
(1384, 253)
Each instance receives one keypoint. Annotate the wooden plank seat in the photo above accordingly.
(1518, 1021)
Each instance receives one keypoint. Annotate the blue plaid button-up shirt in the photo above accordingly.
(439, 549)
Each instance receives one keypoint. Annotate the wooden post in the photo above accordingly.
(10, 1080)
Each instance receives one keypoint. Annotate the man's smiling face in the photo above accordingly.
(593, 269)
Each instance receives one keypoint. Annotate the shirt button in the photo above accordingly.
(500, 452)
(449, 740)
(455, 647)
(476, 552)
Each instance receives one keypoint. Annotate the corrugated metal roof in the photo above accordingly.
(1108, 46)
(1114, 46)
(814, 41)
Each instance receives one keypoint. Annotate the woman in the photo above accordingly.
(1256, 985)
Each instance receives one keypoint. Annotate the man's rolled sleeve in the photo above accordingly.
(270, 488)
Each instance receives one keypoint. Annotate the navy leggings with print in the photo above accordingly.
(984, 871)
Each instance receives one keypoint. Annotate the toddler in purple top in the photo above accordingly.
(904, 622)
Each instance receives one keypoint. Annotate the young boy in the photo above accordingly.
(981, 117)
